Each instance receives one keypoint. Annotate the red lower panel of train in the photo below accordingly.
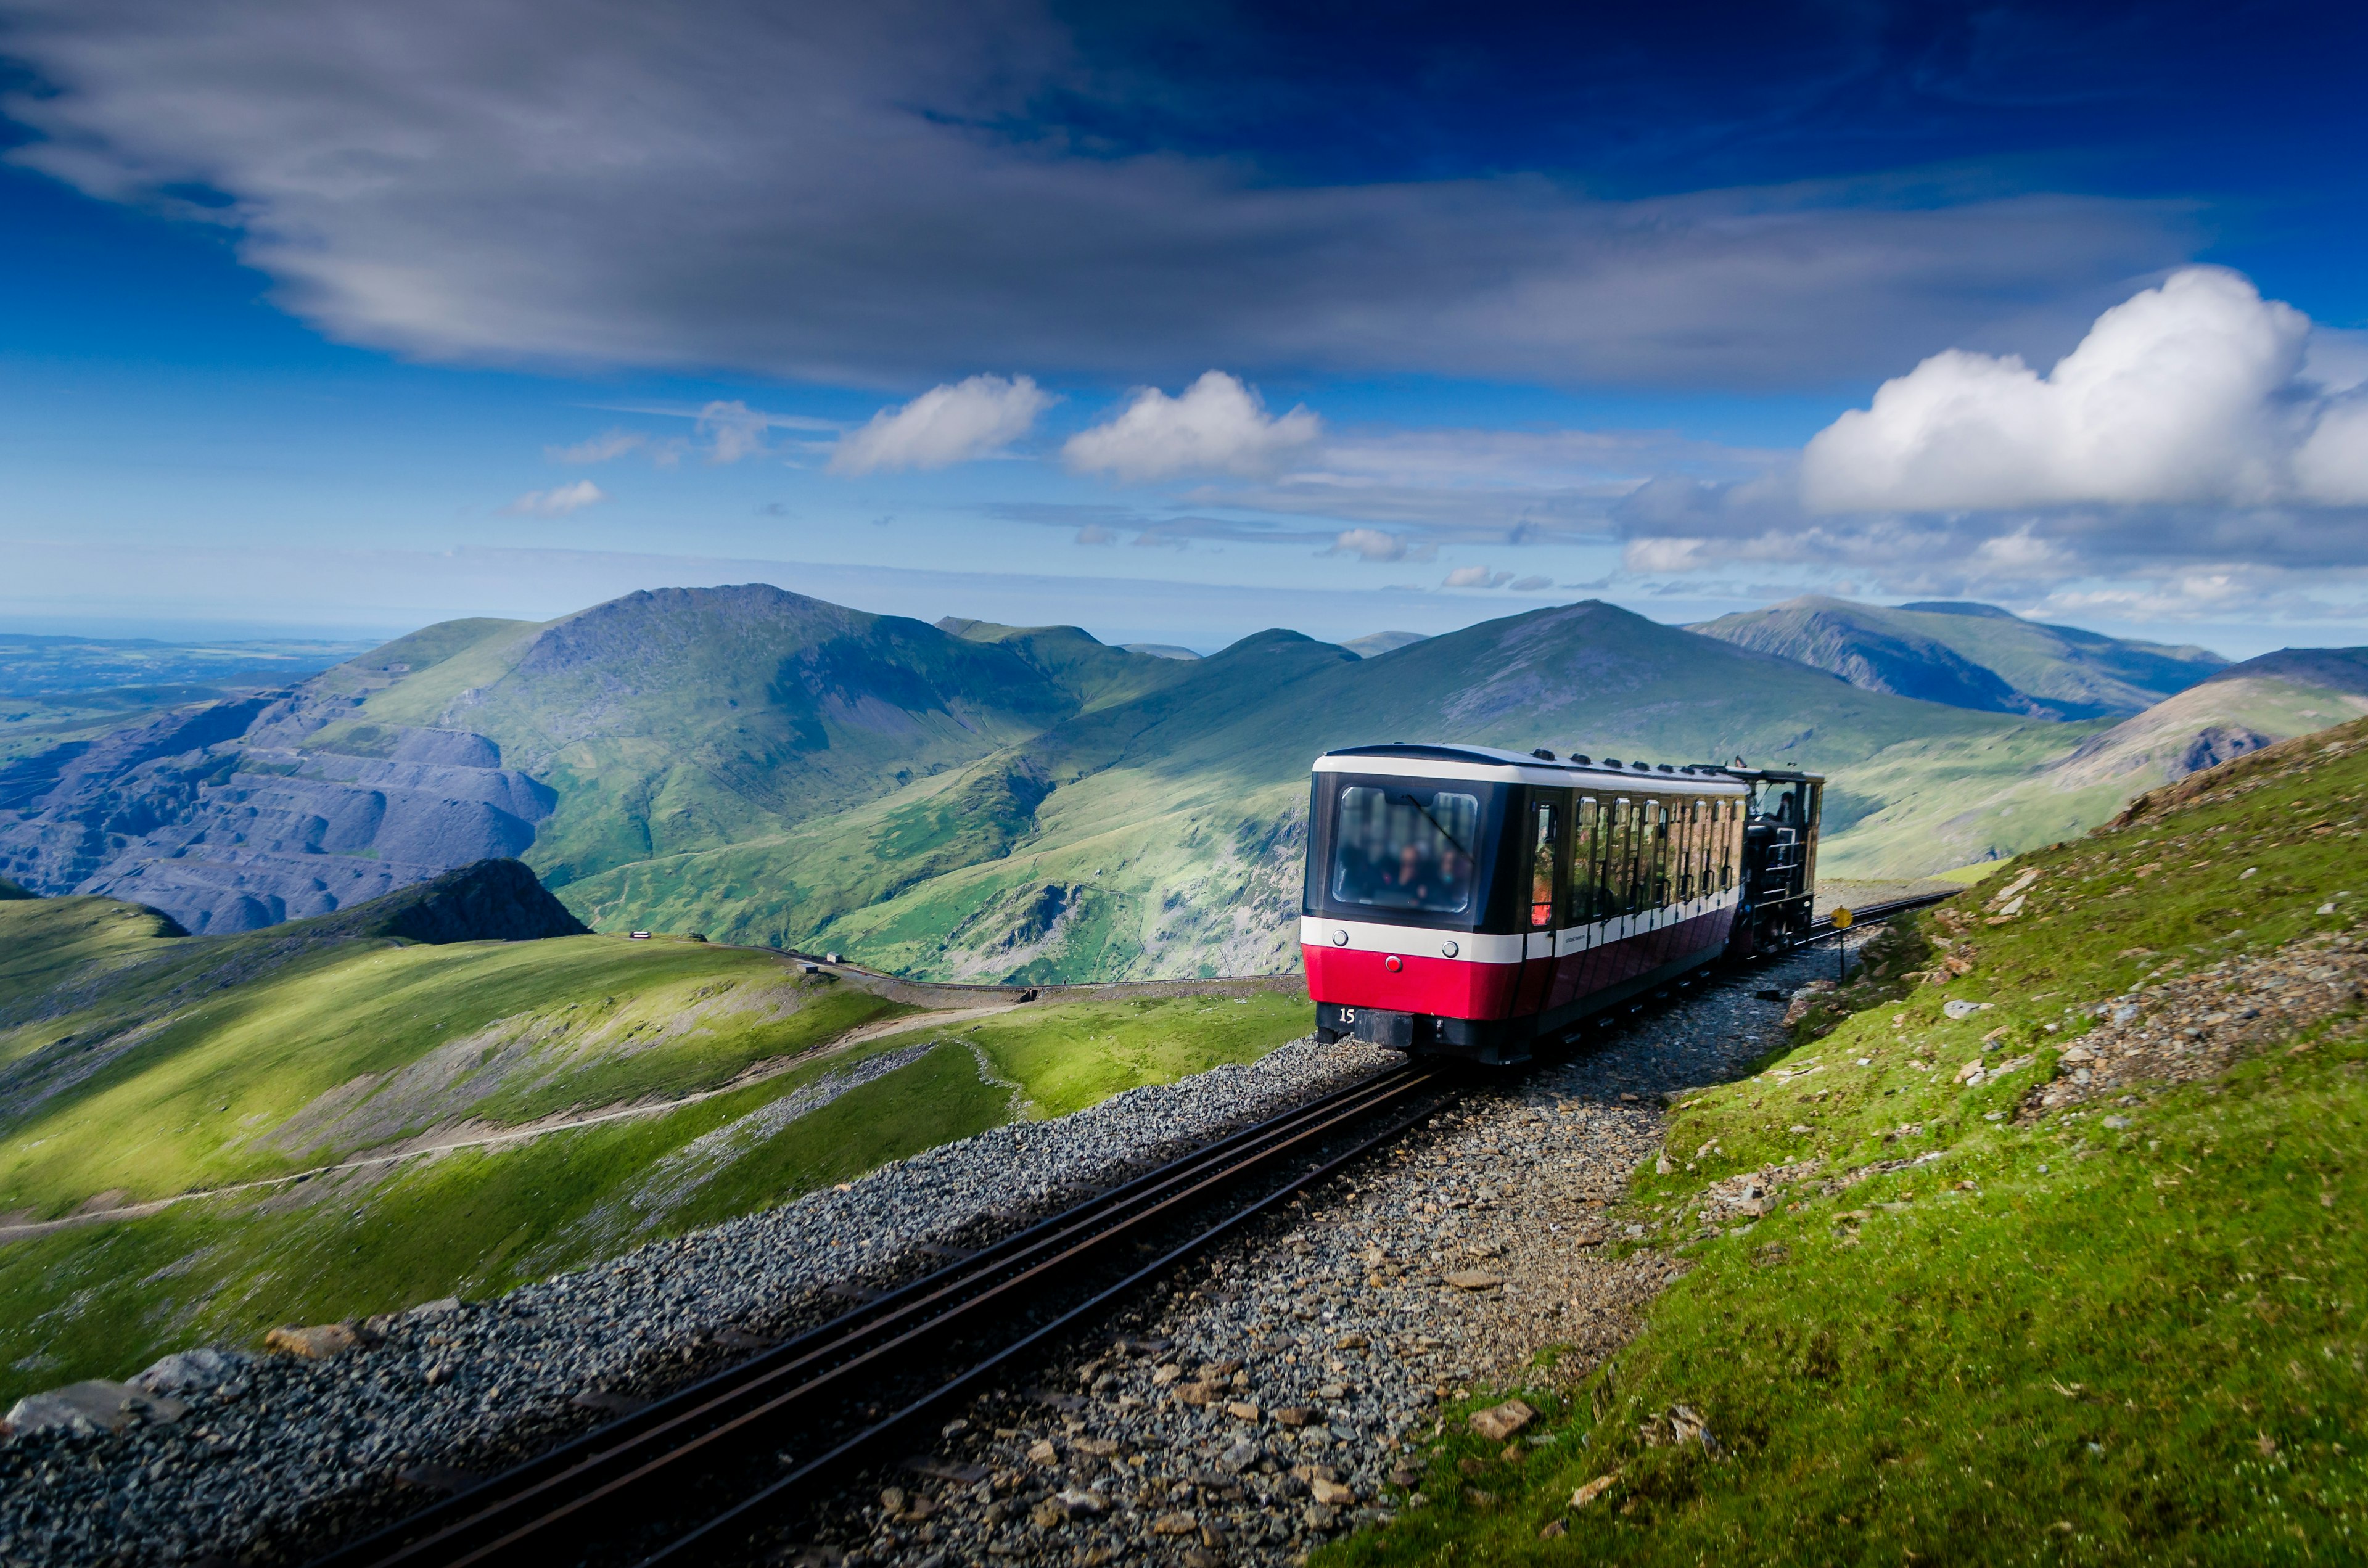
(1458, 988)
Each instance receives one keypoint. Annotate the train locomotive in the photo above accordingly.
(1472, 902)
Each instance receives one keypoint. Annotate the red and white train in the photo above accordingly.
(1467, 901)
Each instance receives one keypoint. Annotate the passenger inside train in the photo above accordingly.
(1405, 848)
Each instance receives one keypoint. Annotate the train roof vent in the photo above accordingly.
(1542, 754)
(1642, 767)
(1582, 761)
(1667, 768)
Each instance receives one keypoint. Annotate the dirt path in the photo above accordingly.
(476, 1136)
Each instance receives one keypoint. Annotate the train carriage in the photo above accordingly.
(1470, 900)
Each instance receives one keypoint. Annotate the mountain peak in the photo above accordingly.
(1961, 607)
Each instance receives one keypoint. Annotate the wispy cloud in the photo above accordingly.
(557, 502)
(600, 449)
(1475, 577)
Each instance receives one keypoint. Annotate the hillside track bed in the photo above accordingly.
(279, 1457)
(1260, 1400)
(911, 1352)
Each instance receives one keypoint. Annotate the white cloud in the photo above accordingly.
(2193, 393)
(1475, 577)
(557, 502)
(1379, 544)
(946, 424)
(1217, 426)
(2332, 464)
(734, 431)
(600, 449)
(1532, 584)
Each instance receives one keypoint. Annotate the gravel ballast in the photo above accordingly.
(1279, 1392)
(267, 1458)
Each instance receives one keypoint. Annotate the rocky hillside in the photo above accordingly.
(657, 724)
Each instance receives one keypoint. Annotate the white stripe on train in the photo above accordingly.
(1473, 947)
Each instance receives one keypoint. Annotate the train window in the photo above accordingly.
(1686, 829)
(1405, 848)
(1619, 856)
(1585, 855)
(1657, 853)
(1545, 838)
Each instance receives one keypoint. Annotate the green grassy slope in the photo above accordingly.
(684, 721)
(1969, 656)
(2122, 1332)
(2020, 790)
(971, 800)
(146, 1066)
(136, 1066)
(1172, 831)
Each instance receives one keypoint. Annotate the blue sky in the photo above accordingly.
(350, 316)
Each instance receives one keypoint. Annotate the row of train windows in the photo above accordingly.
(1625, 857)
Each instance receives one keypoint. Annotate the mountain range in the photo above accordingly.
(973, 800)
(1970, 655)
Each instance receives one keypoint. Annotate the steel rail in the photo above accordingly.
(531, 1501)
(704, 1542)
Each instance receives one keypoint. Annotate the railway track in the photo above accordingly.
(692, 1458)
(692, 1476)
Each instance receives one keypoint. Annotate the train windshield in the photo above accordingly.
(1404, 847)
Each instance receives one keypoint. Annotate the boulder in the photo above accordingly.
(314, 1344)
(203, 1368)
(90, 1407)
(1502, 1423)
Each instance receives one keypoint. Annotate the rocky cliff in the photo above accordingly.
(237, 814)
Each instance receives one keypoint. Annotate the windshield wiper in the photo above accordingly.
(1434, 822)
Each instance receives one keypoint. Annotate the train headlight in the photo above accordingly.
(1447, 949)
(1340, 939)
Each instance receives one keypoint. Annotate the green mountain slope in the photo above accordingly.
(2069, 1278)
(653, 726)
(464, 1115)
(971, 800)
(1160, 834)
(1969, 656)
(1947, 817)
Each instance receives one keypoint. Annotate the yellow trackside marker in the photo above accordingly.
(1841, 918)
